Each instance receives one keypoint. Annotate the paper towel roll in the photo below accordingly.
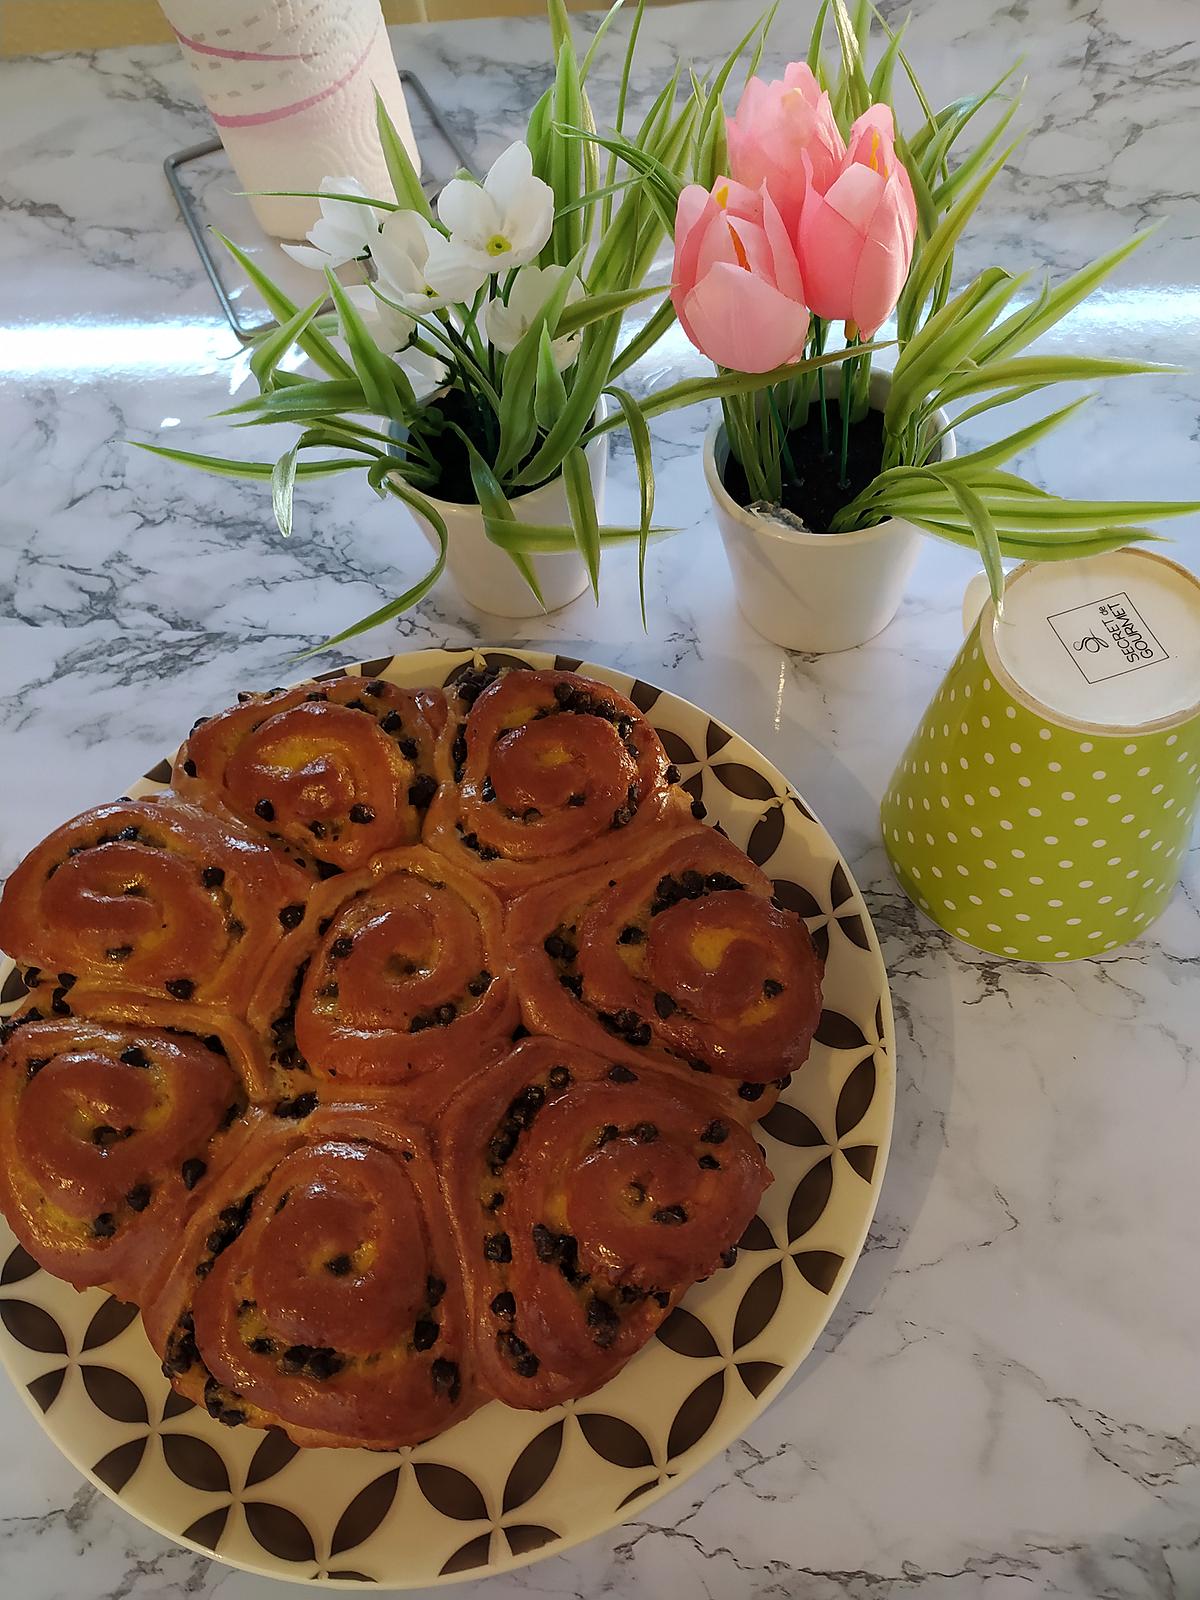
(291, 87)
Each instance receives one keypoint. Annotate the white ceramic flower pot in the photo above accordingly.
(486, 576)
(818, 592)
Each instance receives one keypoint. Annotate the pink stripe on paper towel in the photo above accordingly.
(259, 119)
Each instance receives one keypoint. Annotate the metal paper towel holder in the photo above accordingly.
(247, 333)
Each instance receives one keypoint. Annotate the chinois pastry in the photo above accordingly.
(405, 1056)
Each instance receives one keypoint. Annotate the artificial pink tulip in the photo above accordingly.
(736, 286)
(855, 241)
(776, 124)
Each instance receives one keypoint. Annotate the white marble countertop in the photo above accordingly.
(1016, 1352)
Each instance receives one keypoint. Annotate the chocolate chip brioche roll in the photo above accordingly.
(153, 898)
(545, 773)
(109, 1137)
(681, 950)
(319, 1289)
(587, 1199)
(337, 771)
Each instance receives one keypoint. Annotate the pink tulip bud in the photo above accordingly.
(855, 241)
(736, 285)
(776, 124)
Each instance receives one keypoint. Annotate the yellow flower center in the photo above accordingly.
(721, 196)
(498, 245)
(876, 162)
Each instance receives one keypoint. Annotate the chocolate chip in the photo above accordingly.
(234, 928)
(292, 916)
(718, 881)
(127, 834)
(545, 1243)
(709, 1163)
(497, 1247)
(339, 1266)
(265, 810)
(323, 1363)
(751, 1091)
(212, 877)
(559, 949)
(559, 1078)
(564, 693)
(572, 982)
(180, 988)
(409, 749)
(119, 952)
(699, 810)
(577, 800)
(66, 980)
(631, 935)
(604, 1322)
(375, 688)
(715, 1133)
(620, 1074)
(392, 722)
(445, 1378)
(105, 1134)
(104, 1226)
(295, 1357)
(212, 1041)
(328, 991)
(622, 817)
(133, 1056)
(606, 1135)
(317, 829)
(262, 1346)
(480, 984)
(728, 1257)
(425, 1334)
(692, 883)
(671, 1216)
(303, 1105)
(504, 1305)
(435, 1288)
(58, 1003)
(189, 766)
(35, 1064)
(422, 792)
(645, 1132)
(192, 1171)
(487, 853)
(418, 1024)
(445, 1014)
(661, 1297)
(672, 773)
(361, 814)
(495, 1201)
(664, 1005)
(772, 987)
(316, 694)
(487, 791)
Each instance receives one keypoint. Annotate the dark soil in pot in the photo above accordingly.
(818, 493)
(455, 484)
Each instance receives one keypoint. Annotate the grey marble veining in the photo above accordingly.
(1007, 1402)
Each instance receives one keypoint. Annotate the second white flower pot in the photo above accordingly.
(818, 592)
(486, 576)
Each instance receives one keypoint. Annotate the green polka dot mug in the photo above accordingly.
(1043, 807)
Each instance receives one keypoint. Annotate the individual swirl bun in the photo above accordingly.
(337, 771)
(402, 981)
(683, 950)
(544, 773)
(108, 1137)
(150, 897)
(587, 1198)
(319, 1288)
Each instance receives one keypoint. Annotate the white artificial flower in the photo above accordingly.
(503, 222)
(391, 329)
(343, 232)
(405, 255)
(507, 325)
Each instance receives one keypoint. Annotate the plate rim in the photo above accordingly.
(717, 1439)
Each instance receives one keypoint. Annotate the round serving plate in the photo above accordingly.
(506, 1487)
